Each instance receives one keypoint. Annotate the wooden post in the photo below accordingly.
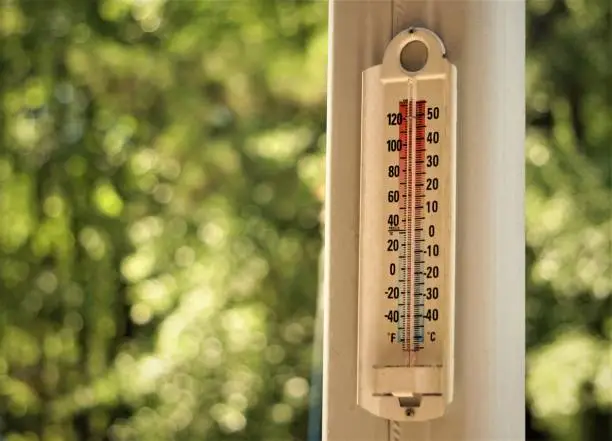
(485, 39)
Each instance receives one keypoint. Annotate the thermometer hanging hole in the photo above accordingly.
(414, 56)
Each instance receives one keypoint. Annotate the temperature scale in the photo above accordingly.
(407, 239)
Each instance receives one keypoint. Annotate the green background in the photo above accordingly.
(161, 189)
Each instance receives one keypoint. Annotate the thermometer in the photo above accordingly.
(407, 232)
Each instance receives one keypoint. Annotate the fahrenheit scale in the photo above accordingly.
(407, 233)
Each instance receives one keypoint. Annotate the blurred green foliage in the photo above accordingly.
(161, 177)
(569, 217)
(161, 186)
